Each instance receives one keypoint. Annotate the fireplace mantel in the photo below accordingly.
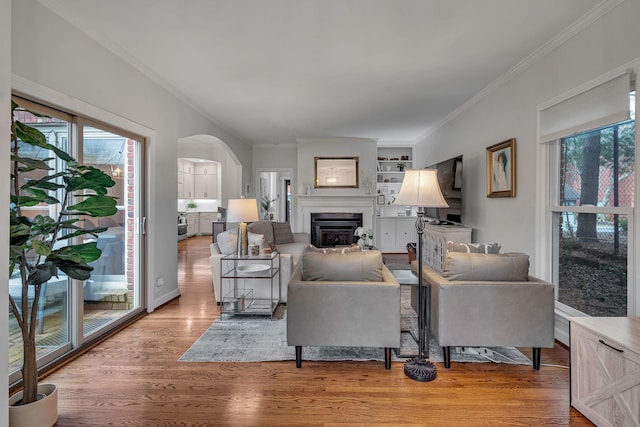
(308, 204)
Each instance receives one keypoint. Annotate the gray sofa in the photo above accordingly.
(291, 248)
(489, 300)
(343, 299)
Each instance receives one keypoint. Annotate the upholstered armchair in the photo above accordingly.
(489, 300)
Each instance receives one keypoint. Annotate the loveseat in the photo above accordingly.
(271, 235)
(488, 300)
(347, 299)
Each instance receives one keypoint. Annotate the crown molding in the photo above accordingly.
(589, 18)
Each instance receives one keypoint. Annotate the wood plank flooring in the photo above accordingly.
(134, 379)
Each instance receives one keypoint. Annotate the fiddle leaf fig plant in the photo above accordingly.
(43, 246)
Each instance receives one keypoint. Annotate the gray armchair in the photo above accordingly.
(349, 299)
(489, 300)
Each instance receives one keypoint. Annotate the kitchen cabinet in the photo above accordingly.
(205, 186)
(193, 223)
(205, 222)
(393, 233)
(605, 369)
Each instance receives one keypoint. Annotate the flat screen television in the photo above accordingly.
(450, 179)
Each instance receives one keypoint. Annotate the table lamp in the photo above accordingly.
(242, 211)
(420, 188)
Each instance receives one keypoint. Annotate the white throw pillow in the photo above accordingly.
(228, 241)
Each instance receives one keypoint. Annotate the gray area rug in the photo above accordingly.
(259, 339)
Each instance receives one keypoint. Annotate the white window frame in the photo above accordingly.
(547, 168)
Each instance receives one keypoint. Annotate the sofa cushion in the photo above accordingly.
(507, 267)
(484, 248)
(339, 250)
(228, 241)
(263, 227)
(282, 233)
(351, 266)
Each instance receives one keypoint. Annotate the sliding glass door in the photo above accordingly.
(72, 313)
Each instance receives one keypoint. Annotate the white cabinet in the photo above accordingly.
(206, 169)
(206, 222)
(605, 369)
(205, 186)
(393, 234)
(434, 242)
(192, 223)
(185, 179)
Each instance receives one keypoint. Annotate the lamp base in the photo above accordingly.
(420, 369)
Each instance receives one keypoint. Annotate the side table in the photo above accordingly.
(240, 274)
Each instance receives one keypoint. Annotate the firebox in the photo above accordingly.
(329, 229)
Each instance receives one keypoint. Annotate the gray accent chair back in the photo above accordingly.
(343, 299)
(489, 300)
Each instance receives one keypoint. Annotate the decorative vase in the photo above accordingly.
(41, 413)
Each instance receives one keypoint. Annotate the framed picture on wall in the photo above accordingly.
(501, 169)
(381, 199)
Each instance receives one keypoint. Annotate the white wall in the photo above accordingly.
(5, 92)
(365, 149)
(55, 55)
(510, 110)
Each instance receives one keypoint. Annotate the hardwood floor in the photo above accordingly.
(134, 379)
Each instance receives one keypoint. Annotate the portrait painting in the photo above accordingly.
(501, 169)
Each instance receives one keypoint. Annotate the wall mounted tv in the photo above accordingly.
(450, 179)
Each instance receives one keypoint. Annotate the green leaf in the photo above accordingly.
(43, 196)
(91, 179)
(78, 271)
(33, 164)
(40, 247)
(95, 205)
(83, 253)
(33, 136)
(24, 200)
(42, 273)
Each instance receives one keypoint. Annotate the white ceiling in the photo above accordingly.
(274, 71)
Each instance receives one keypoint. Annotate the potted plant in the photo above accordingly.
(265, 204)
(401, 166)
(43, 246)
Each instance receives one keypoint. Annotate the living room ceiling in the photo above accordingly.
(275, 71)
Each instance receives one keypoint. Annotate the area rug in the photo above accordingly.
(260, 339)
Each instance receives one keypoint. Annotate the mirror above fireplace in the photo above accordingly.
(336, 172)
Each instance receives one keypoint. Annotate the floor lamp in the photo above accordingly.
(420, 188)
(242, 211)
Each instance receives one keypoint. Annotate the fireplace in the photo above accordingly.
(329, 229)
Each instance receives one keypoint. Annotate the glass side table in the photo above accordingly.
(243, 279)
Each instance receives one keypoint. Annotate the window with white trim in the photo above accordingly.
(590, 145)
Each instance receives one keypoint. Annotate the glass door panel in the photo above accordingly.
(53, 328)
(113, 291)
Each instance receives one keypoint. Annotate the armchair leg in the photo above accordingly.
(446, 355)
(387, 357)
(536, 357)
(298, 356)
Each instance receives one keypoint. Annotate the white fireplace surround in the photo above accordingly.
(306, 205)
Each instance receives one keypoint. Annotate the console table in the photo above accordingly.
(435, 242)
(605, 369)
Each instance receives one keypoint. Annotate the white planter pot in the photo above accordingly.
(42, 413)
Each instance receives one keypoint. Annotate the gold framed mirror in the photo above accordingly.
(336, 172)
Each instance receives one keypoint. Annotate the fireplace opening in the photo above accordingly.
(330, 229)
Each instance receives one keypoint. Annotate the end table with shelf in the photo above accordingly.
(240, 277)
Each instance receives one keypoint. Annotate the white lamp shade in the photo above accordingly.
(420, 188)
(242, 210)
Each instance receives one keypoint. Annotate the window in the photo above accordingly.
(589, 143)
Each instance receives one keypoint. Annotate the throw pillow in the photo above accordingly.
(339, 250)
(481, 248)
(228, 241)
(352, 266)
(282, 233)
(509, 267)
(263, 227)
